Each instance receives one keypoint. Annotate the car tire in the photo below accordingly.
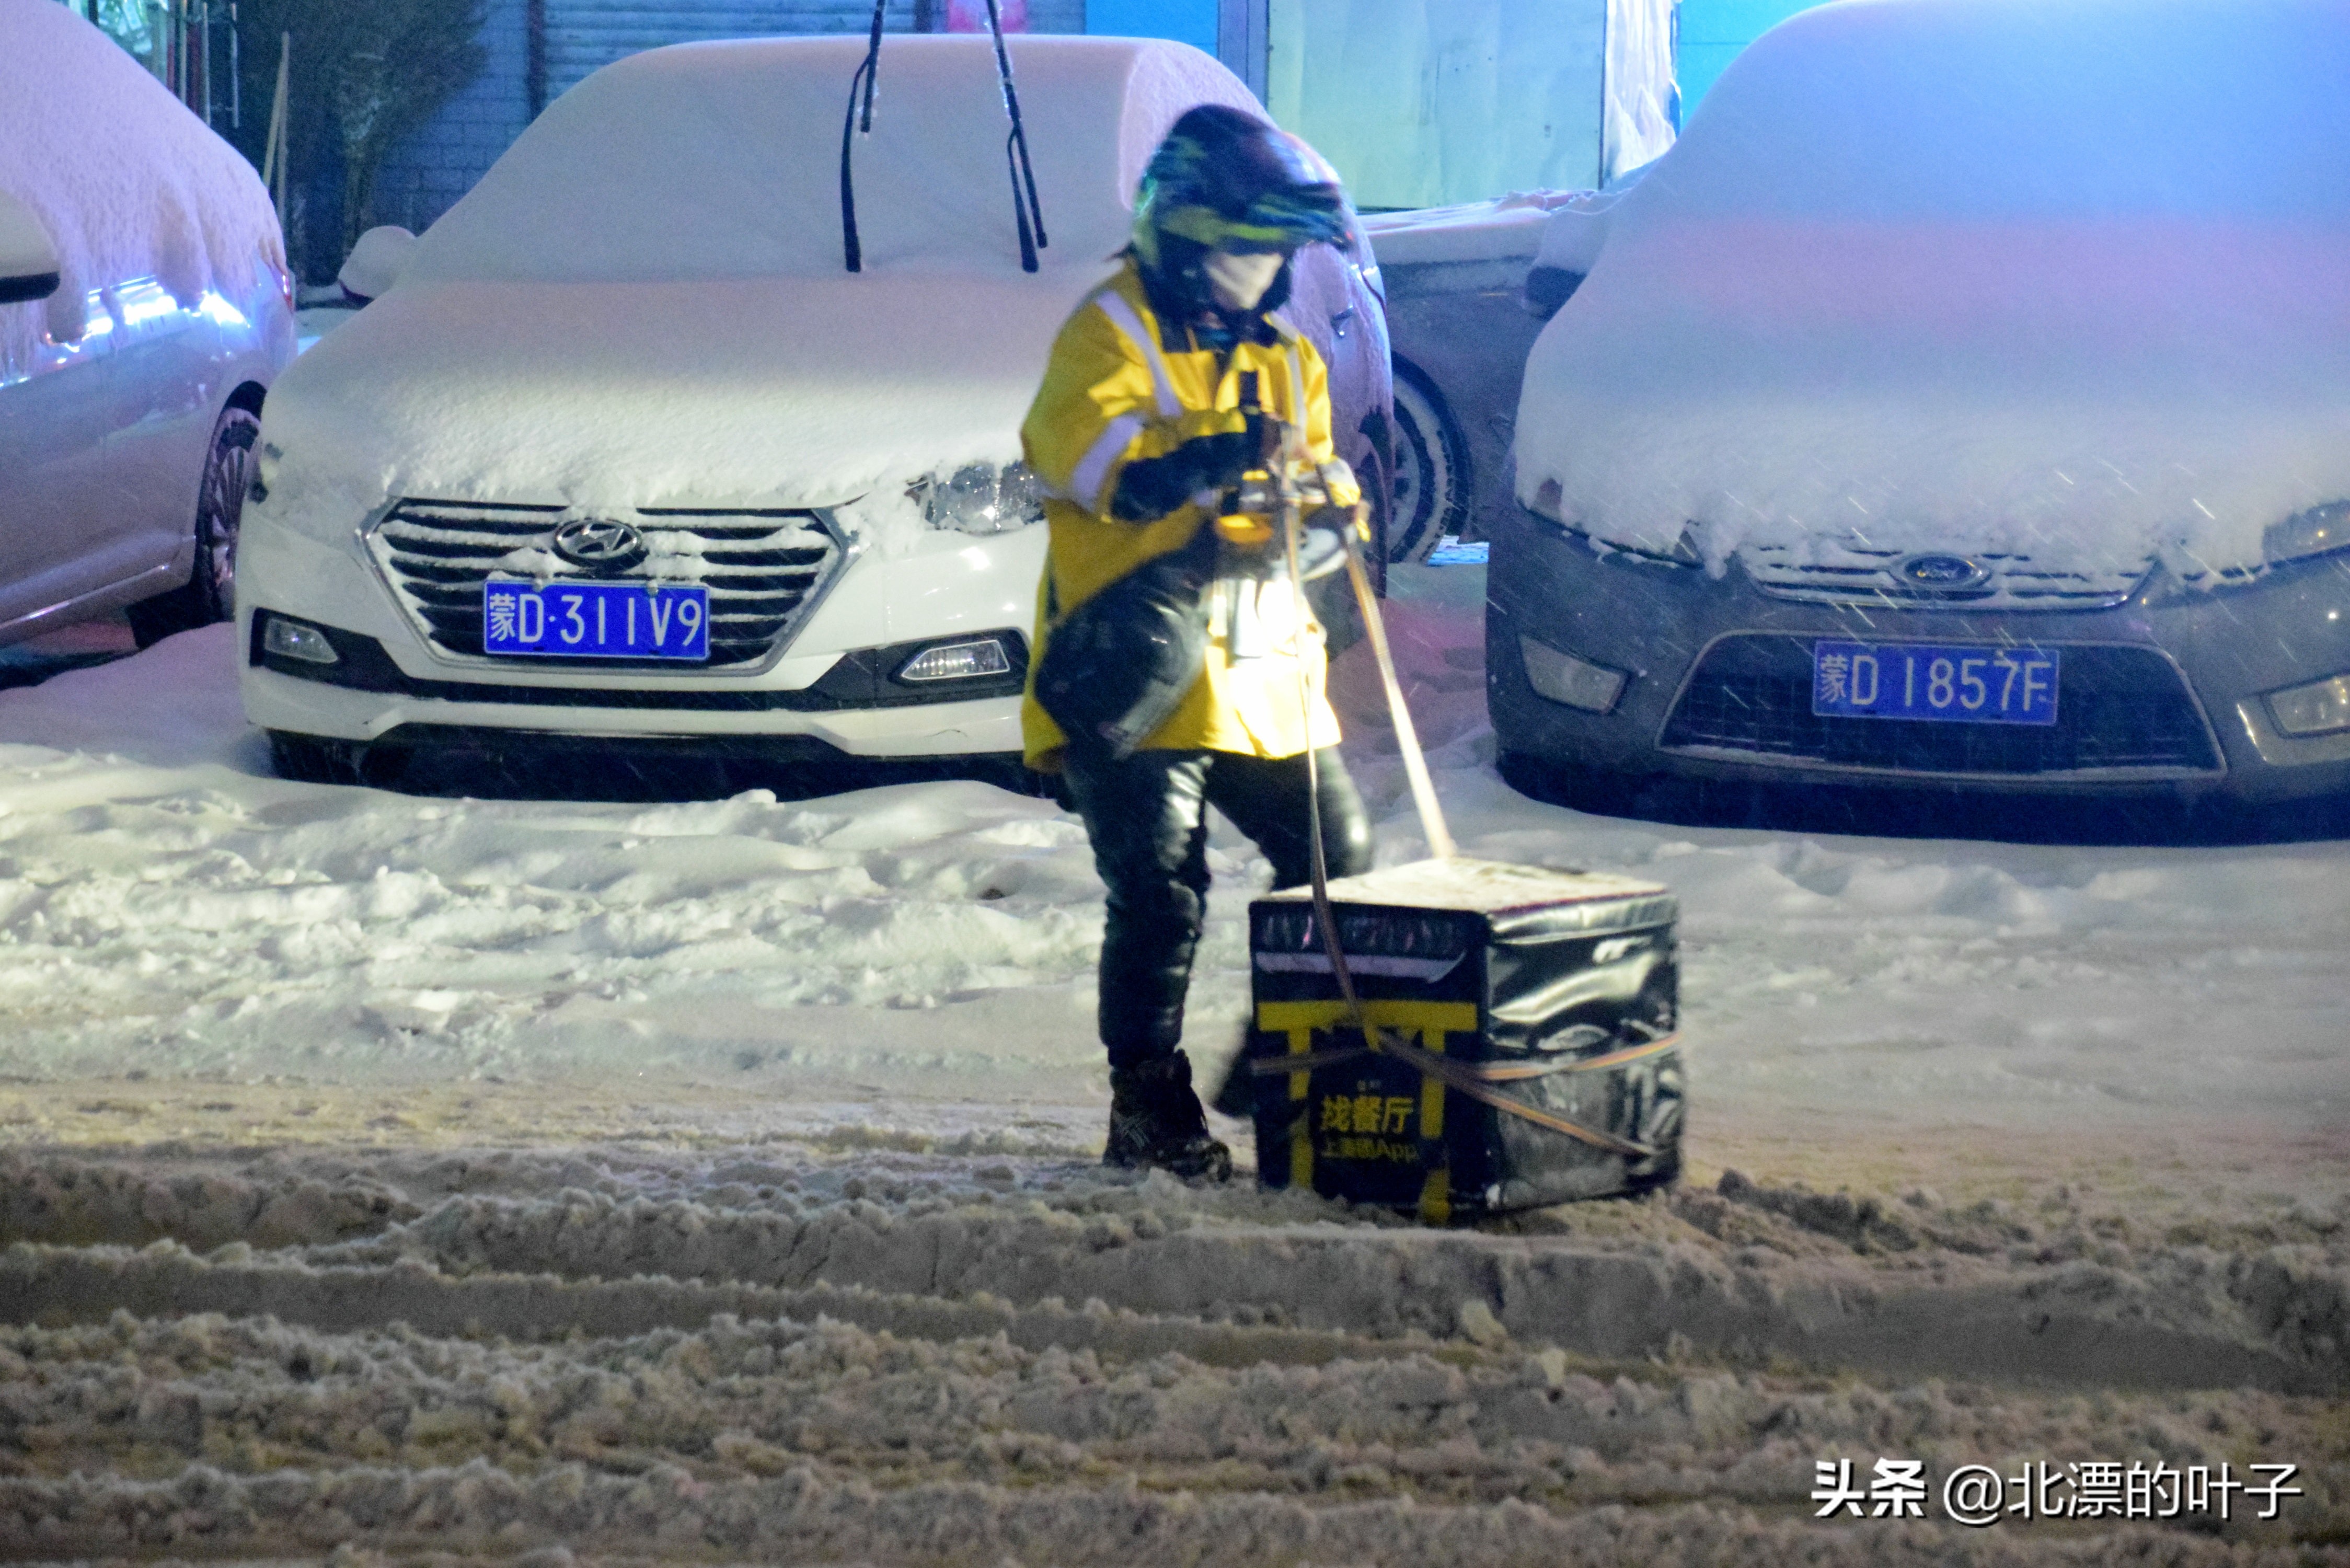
(312, 759)
(210, 593)
(320, 759)
(1374, 472)
(1432, 482)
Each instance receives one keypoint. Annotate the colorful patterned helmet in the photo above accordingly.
(1225, 180)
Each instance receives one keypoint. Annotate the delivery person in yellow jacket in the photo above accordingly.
(1141, 435)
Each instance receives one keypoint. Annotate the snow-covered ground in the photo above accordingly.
(715, 1179)
(166, 905)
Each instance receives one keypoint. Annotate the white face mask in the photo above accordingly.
(1238, 282)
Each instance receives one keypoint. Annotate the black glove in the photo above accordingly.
(1149, 488)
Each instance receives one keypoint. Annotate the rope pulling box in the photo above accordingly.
(1456, 1037)
(1524, 1044)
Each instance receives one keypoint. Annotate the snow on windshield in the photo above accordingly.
(127, 182)
(2068, 279)
(677, 217)
(721, 160)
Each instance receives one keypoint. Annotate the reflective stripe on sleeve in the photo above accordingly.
(1122, 317)
(1284, 329)
(1092, 472)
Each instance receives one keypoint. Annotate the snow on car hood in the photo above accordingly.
(1912, 279)
(2055, 392)
(772, 392)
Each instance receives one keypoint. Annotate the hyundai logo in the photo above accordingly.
(1941, 572)
(601, 545)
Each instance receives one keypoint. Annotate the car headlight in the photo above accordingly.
(290, 638)
(2316, 709)
(1678, 550)
(966, 660)
(1562, 677)
(2317, 532)
(982, 499)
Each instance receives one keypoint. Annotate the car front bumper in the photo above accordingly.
(2167, 692)
(830, 691)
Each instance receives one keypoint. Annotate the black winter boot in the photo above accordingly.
(1155, 1120)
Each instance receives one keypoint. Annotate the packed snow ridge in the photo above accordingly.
(389, 1377)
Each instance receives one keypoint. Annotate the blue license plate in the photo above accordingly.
(596, 621)
(1951, 682)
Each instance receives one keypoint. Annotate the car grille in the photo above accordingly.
(2116, 709)
(764, 570)
(1857, 574)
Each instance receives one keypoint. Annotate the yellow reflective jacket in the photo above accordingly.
(1113, 393)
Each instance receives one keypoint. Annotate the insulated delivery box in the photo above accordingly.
(1529, 1046)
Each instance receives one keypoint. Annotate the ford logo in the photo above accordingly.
(1941, 572)
(601, 545)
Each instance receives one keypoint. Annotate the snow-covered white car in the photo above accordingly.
(626, 456)
(1964, 402)
(145, 309)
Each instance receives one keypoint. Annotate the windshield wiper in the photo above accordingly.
(850, 250)
(1026, 210)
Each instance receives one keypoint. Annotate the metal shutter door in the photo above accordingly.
(583, 35)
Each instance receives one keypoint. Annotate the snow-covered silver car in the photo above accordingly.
(1964, 402)
(144, 310)
(627, 456)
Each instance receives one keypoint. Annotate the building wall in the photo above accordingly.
(585, 36)
(424, 175)
(1423, 102)
(1191, 22)
(1713, 32)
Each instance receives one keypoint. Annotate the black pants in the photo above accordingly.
(1147, 817)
